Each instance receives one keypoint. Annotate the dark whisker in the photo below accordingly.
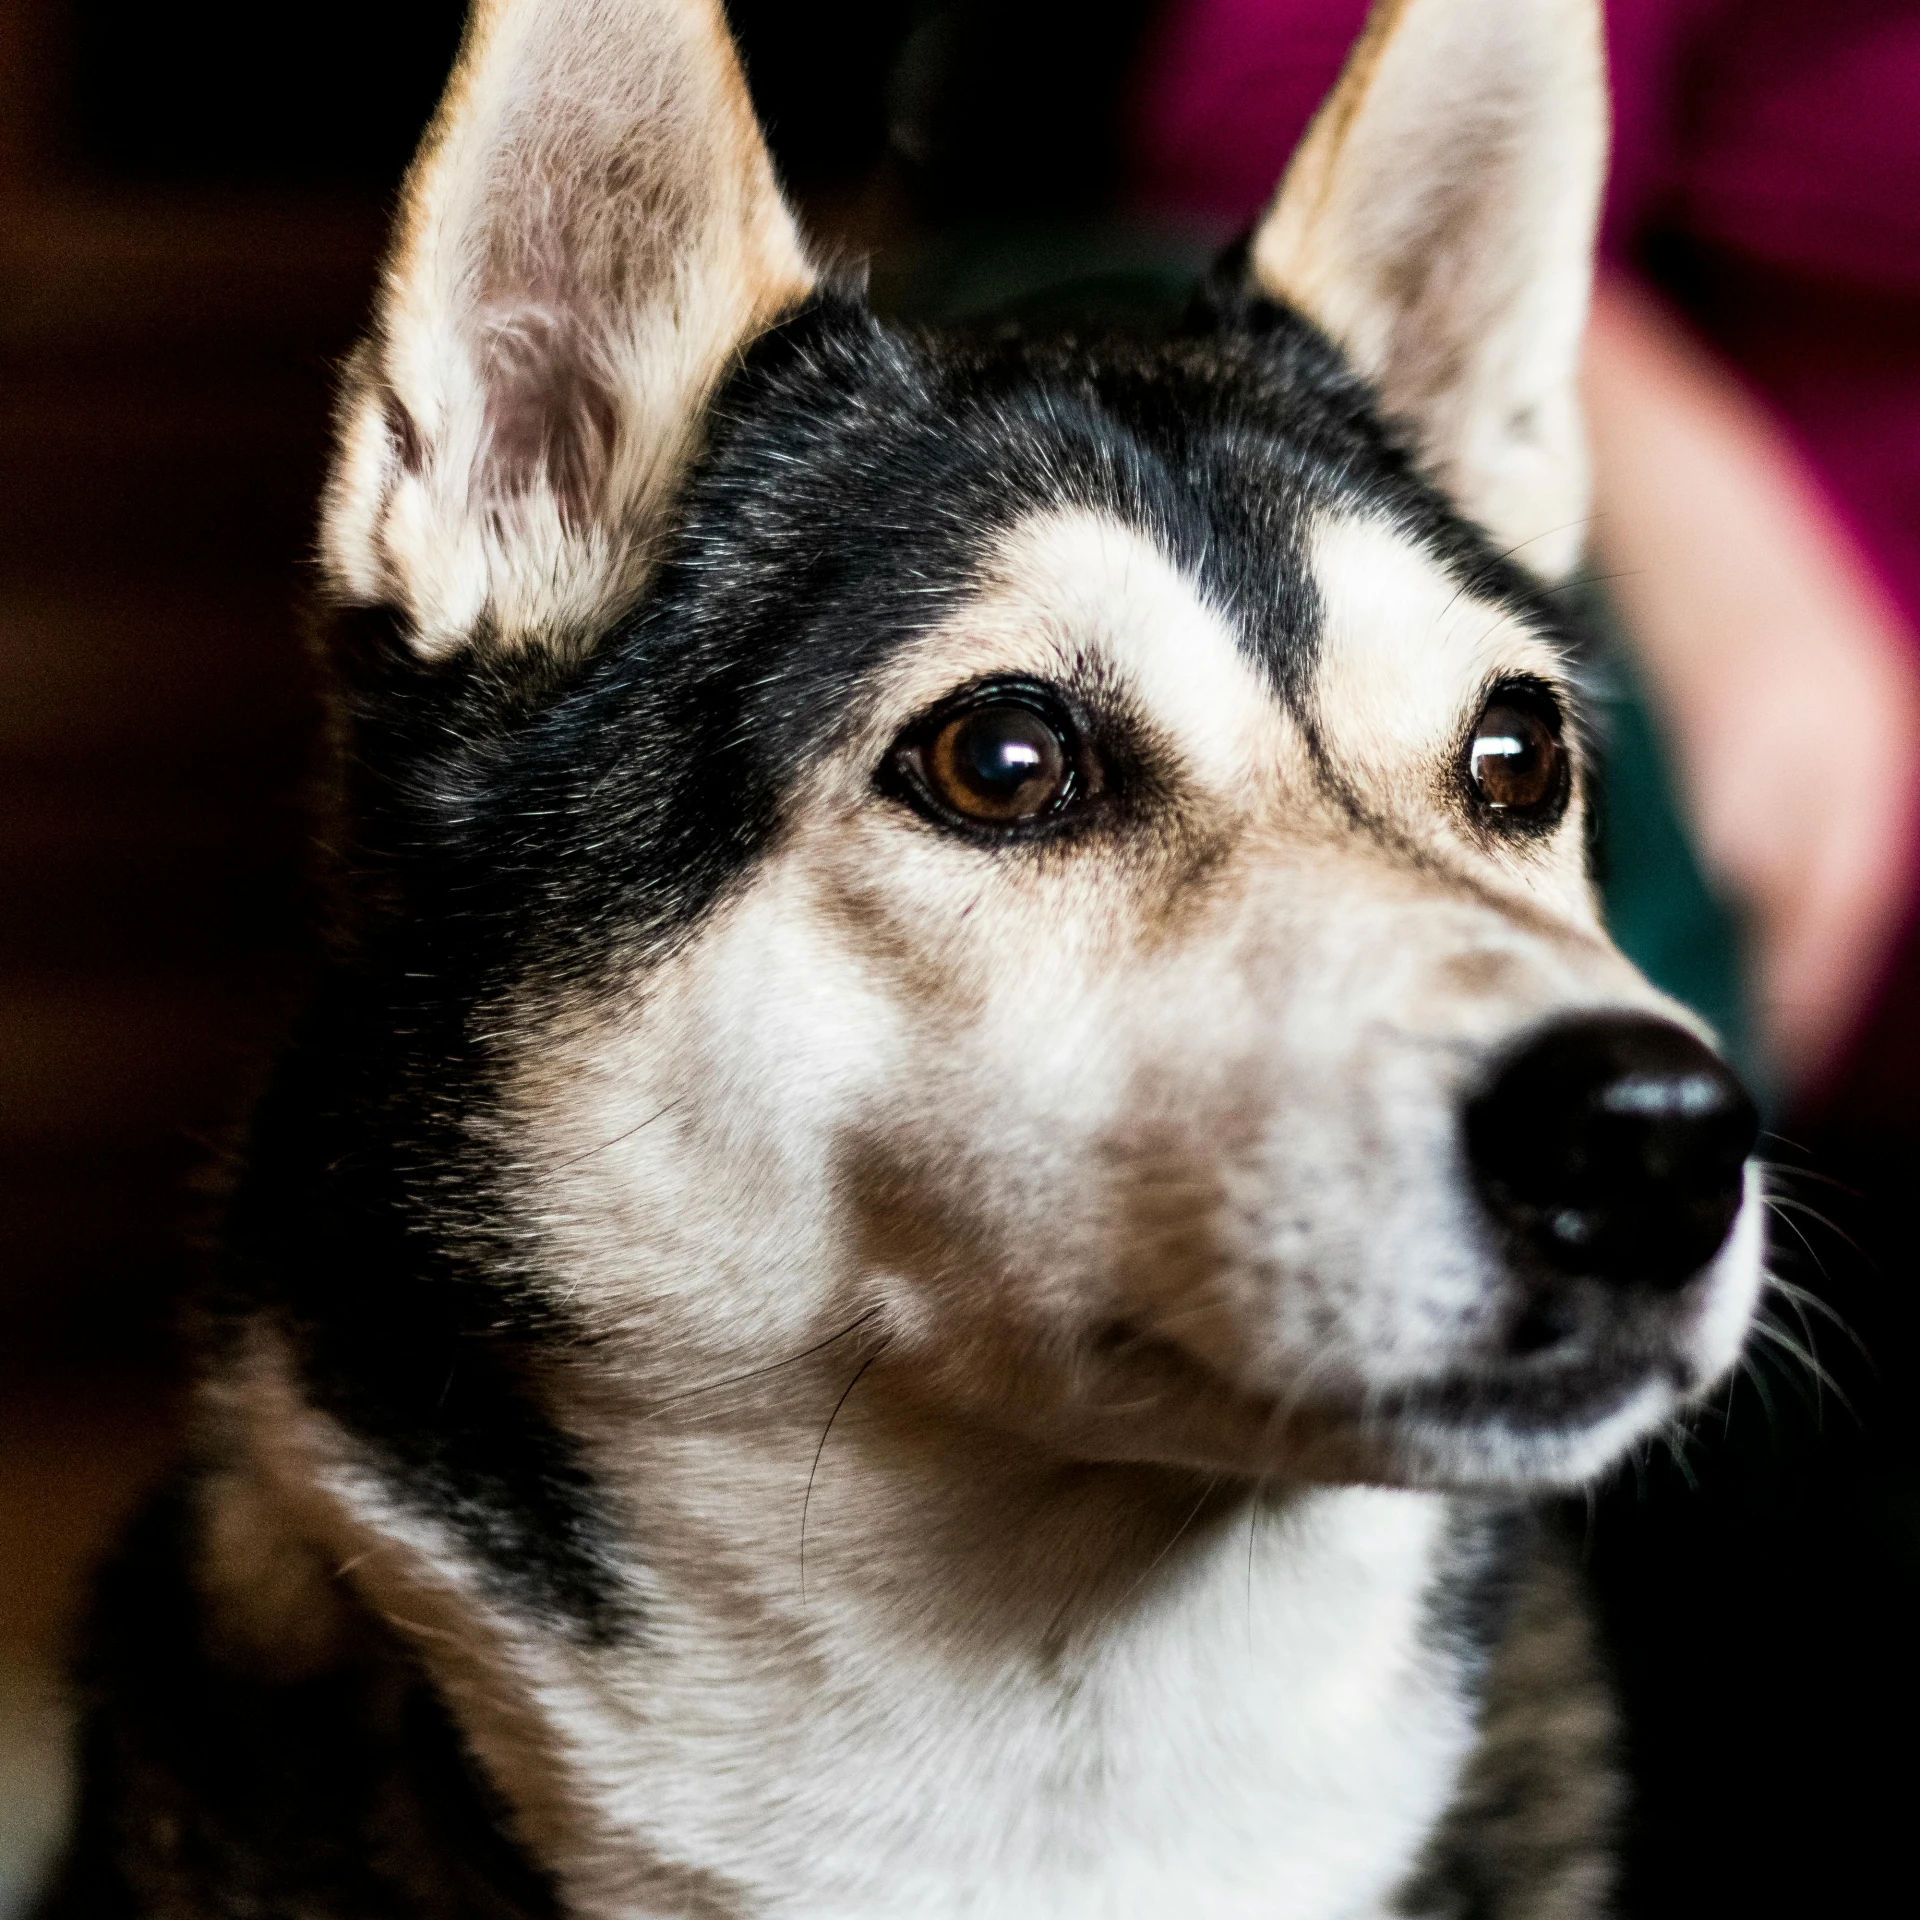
(807, 1502)
(607, 1146)
(760, 1373)
(1253, 1521)
(1179, 1533)
(1675, 1436)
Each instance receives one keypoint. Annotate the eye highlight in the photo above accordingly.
(1516, 765)
(1004, 757)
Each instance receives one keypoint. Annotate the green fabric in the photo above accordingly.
(1659, 906)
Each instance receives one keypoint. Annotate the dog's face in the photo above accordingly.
(1059, 862)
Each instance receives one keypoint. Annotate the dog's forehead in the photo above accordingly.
(903, 487)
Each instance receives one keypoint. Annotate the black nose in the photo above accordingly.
(1616, 1145)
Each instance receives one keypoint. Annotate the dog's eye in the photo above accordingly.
(998, 764)
(1516, 764)
(1005, 757)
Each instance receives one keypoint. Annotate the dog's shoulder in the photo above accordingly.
(1532, 1831)
(333, 1786)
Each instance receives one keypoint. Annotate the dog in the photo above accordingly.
(970, 1141)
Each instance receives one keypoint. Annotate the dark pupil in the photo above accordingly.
(1003, 762)
(1513, 758)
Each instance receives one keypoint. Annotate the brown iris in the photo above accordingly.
(1515, 762)
(1002, 763)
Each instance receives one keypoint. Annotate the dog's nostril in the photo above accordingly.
(1617, 1145)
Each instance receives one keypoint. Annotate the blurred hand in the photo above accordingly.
(1786, 682)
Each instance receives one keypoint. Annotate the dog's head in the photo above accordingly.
(1064, 856)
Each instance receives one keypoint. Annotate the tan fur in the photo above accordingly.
(590, 235)
(1438, 222)
(274, 1608)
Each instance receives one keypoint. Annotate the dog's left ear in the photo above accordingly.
(590, 234)
(1438, 221)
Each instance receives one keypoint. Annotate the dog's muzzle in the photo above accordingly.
(1614, 1147)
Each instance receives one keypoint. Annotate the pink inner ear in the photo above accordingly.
(551, 413)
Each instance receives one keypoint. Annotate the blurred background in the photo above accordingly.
(191, 206)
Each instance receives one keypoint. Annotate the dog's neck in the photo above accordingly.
(1000, 1683)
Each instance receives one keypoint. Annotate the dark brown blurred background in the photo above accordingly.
(190, 210)
(165, 335)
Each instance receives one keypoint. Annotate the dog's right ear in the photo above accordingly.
(1438, 222)
(590, 235)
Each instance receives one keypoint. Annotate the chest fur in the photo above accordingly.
(1270, 1722)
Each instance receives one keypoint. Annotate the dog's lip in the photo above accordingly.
(1523, 1400)
(1541, 1393)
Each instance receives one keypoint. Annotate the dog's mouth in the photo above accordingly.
(1542, 1412)
(1549, 1382)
